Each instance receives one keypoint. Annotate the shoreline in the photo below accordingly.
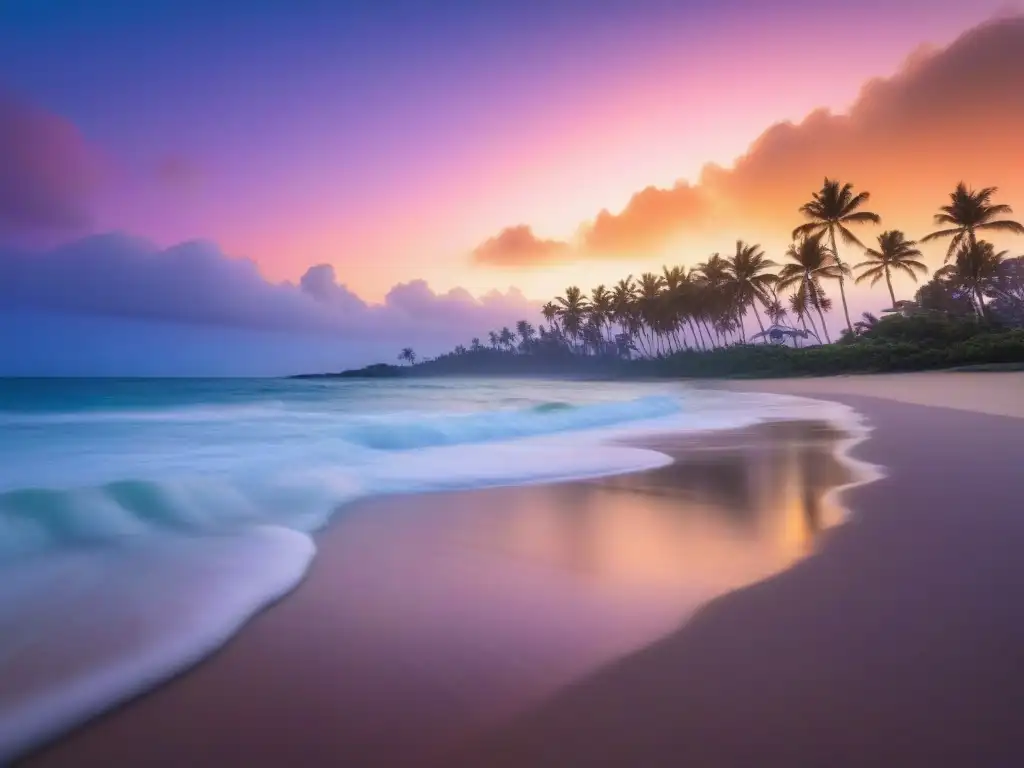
(939, 655)
(548, 655)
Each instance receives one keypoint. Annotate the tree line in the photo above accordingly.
(704, 307)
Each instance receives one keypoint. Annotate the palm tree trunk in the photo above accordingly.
(640, 341)
(888, 282)
(707, 330)
(803, 322)
(823, 326)
(757, 316)
(842, 282)
(698, 336)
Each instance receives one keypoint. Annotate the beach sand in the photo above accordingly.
(465, 629)
(1000, 394)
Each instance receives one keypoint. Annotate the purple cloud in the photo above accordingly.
(47, 172)
(320, 283)
(194, 283)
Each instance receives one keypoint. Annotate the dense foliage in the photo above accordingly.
(896, 343)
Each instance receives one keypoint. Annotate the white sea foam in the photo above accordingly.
(181, 521)
(72, 646)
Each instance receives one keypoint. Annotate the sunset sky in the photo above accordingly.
(477, 145)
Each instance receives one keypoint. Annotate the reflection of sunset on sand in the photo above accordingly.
(731, 508)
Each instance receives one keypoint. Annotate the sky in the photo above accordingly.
(331, 170)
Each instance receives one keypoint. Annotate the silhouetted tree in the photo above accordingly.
(831, 210)
(751, 283)
(895, 253)
(811, 263)
(976, 270)
(969, 211)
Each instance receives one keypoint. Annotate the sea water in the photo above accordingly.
(143, 521)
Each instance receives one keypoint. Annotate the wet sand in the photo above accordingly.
(428, 621)
(901, 643)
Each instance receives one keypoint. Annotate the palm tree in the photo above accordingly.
(550, 312)
(812, 262)
(623, 301)
(600, 306)
(506, 337)
(866, 323)
(775, 310)
(798, 306)
(407, 356)
(976, 270)
(673, 302)
(475, 344)
(492, 337)
(830, 210)
(592, 337)
(967, 212)
(894, 252)
(716, 294)
(715, 270)
(649, 309)
(689, 301)
(572, 309)
(750, 283)
(526, 333)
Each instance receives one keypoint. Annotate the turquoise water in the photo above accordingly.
(164, 513)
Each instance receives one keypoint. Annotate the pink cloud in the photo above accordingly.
(47, 171)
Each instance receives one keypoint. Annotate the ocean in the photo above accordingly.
(143, 521)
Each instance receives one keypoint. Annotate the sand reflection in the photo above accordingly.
(732, 507)
(513, 592)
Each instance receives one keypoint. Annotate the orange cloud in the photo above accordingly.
(519, 246)
(649, 219)
(949, 114)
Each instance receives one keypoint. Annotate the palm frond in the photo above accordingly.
(862, 216)
(911, 268)
(849, 237)
(1003, 226)
(809, 229)
(873, 274)
(941, 233)
(999, 210)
